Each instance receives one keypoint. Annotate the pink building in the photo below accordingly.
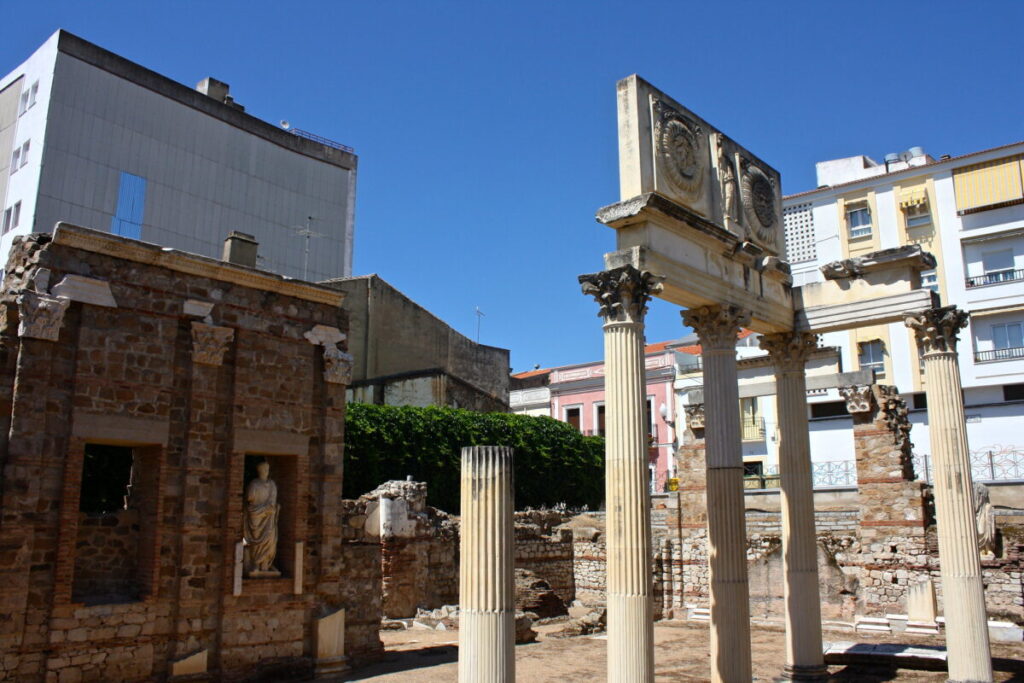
(575, 394)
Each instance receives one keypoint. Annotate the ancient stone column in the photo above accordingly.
(963, 594)
(487, 629)
(804, 659)
(718, 327)
(622, 294)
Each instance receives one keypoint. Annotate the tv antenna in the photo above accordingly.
(479, 314)
(306, 232)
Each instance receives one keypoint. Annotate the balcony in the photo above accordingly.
(994, 278)
(1012, 353)
(752, 428)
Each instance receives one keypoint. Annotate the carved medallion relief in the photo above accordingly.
(761, 205)
(681, 148)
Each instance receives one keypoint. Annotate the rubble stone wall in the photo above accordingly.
(107, 557)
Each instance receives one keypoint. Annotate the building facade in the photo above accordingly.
(968, 211)
(91, 138)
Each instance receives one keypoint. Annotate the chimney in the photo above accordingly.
(218, 90)
(240, 249)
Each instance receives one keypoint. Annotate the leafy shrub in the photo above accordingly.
(554, 463)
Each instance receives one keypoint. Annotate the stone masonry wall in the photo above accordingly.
(107, 557)
(194, 365)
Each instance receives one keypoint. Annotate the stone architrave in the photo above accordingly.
(262, 513)
(804, 658)
(337, 365)
(487, 551)
(967, 638)
(210, 343)
(40, 316)
(718, 327)
(622, 294)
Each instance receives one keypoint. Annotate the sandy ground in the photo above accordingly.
(681, 654)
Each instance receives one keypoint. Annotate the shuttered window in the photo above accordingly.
(988, 185)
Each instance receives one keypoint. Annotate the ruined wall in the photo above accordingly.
(107, 557)
(194, 365)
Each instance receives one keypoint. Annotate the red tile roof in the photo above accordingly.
(531, 373)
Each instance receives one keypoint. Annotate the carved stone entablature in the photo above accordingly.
(622, 293)
(895, 414)
(937, 329)
(789, 351)
(859, 398)
(910, 255)
(40, 316)
(717, 326)
(337, 366)
(695, 416)
(681, 148)
(209, 343)
(842, 270)
(760, 203)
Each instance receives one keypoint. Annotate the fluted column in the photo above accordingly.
(963, 594)
(487, 613)
(622, 294)
(718, 327)
(804, 659)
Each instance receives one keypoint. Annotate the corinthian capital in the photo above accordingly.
(859, 398)
(937, 329)
(717, 326)
(337, 365)
(789, 350)
(209, 343)
(622, 293)
(40, 316)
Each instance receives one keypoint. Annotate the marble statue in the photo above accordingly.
(261, 516)
(985, 522)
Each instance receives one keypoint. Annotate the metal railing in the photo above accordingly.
(996, 463)
(1012, 353)
(752, 429)
(994, 278)
(834, 473)
(695, 365)
(321, 139)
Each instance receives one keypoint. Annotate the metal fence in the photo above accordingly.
(996, 463)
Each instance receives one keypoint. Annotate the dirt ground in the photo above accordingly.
(681, 654)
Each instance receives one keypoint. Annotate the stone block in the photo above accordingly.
(193, 664)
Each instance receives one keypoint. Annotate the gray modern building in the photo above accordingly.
(91, 138)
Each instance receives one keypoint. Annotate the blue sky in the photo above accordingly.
(486, 131)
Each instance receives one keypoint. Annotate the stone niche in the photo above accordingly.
(284, 473)
(116, 524)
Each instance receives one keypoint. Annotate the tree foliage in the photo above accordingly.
(554, 463)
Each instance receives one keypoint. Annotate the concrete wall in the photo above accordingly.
(391, 335)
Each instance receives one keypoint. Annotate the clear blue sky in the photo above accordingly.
(486, 131)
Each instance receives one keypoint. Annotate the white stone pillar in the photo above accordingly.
(487, 612)
(804, 658)
(718, 327)
(963, 594)
(622, 294)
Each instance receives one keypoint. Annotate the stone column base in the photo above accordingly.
(803, 673)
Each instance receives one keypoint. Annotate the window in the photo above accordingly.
(15, 215)
(599, 421)
(1013, 392)
(858, 220)
(871, 356)
(751, 424)
(1007, 336)
(829, 409)
(652, 428)
(572, 416)
(753, 468)
(24, 152)
(7, 220)
(920, 401)
(998, 265)
(15, 160)
(23, 103)
(930, 280)
(916, 211)
(33, 91)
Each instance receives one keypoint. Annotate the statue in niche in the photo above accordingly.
(727, 177)
(985, 521)
(261, 516)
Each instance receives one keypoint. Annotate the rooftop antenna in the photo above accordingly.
(479, 314)
(307, 232)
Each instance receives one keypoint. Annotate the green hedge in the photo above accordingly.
(554, 462)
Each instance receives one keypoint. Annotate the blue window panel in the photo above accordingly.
(131, 201)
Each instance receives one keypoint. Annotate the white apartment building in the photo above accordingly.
(969, 212)
(91, 138)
